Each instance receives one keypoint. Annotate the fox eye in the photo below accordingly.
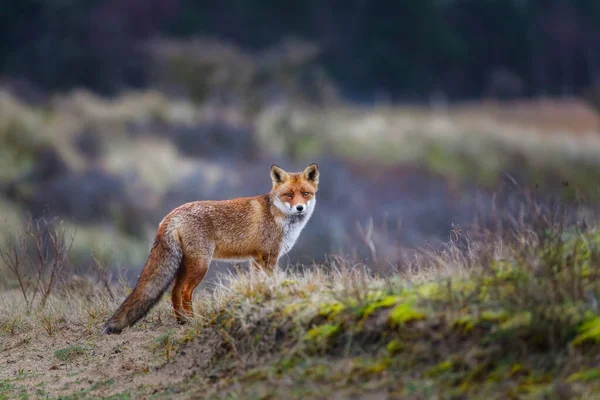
(305, 194)
(289, 195)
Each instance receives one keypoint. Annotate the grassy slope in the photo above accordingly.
(514, 319)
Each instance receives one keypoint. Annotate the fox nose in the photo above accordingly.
(300, 207)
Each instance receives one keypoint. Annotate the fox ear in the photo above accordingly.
(311, 174)
(278, 175)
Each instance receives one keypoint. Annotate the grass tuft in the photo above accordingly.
(70, 353)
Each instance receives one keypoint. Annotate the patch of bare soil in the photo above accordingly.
(73, 361)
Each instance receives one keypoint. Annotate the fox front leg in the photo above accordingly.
(266, 262)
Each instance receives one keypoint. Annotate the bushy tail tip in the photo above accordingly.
(111, 329)
(157, 275)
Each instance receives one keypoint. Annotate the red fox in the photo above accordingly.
(261, 229)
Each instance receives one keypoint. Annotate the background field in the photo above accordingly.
(454, 249)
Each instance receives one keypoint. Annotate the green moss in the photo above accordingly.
(494, 316)
(320, 337)
(395, 347)
(589, 332)
(444, 366)
(292, 309)
(373, 367)
(536, 391)
(331, 310)
(465, 322)
(518, 369)
(520, 320)
(387, 301)
(405, 313)
(322, 331)
(586, 375)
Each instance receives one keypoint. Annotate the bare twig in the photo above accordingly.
(14, 254)
(60, 244)
(38, 257)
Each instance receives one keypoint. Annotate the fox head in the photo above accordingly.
(294, 193)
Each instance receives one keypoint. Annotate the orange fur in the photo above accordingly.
(261, 229)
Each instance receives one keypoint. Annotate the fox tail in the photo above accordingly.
(156, 277)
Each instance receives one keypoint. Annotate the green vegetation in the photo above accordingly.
(70, 353)
(523, 323)
(165, 344)
(517, 317)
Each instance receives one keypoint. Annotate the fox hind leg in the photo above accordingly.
(195, 270)
(176, 294)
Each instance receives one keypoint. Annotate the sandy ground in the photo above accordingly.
(111, 363)
(104, 364)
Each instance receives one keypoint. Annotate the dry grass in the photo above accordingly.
(514, 316)
(477, 142)
(493, 315)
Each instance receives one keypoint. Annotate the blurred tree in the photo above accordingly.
(60, 44)
(405, 49)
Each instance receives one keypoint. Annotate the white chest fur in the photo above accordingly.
(291, 231)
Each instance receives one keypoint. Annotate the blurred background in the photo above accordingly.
(425, 116)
